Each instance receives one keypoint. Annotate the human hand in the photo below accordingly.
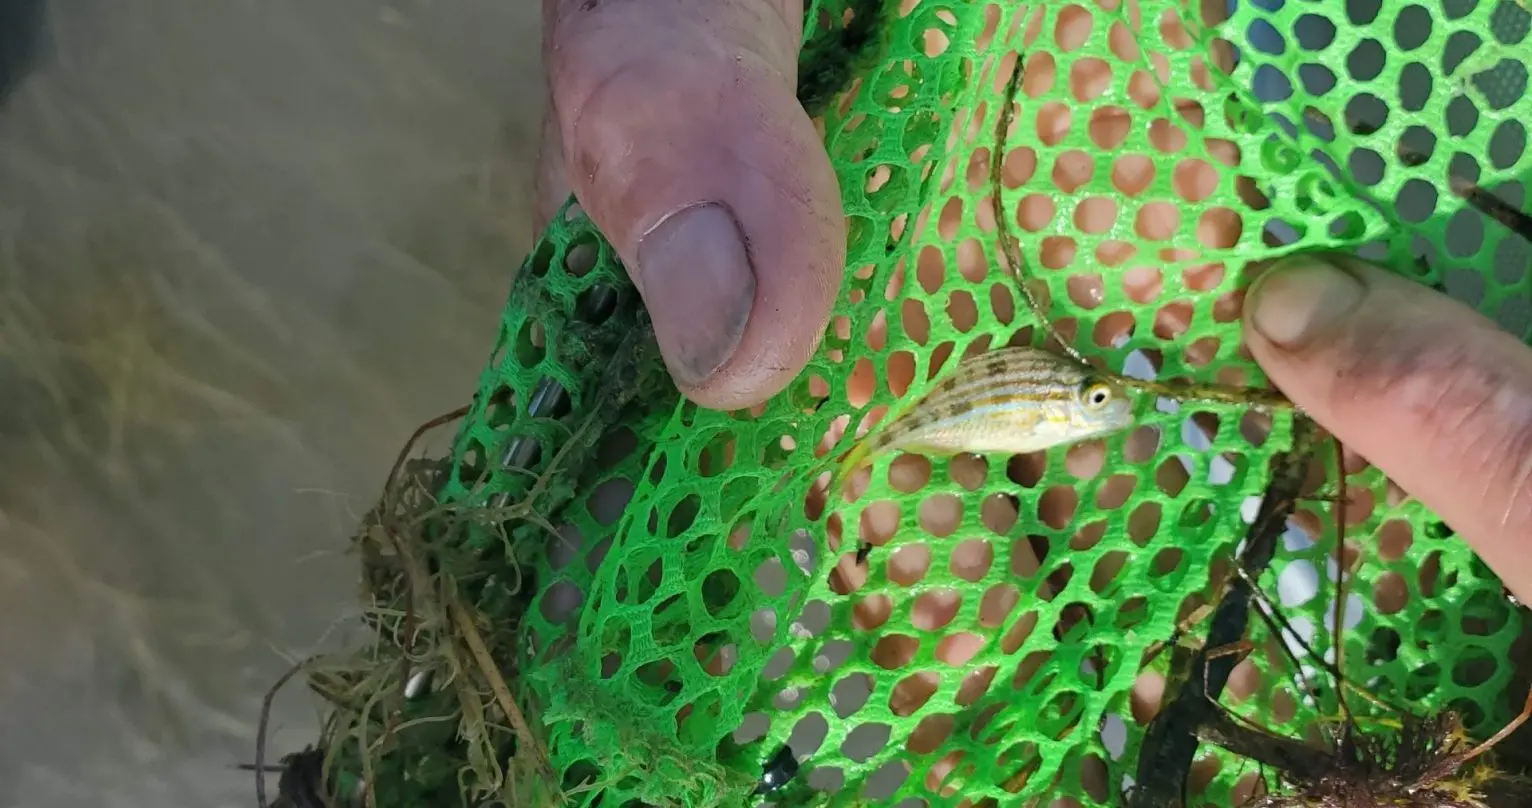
(1447, 417)
(676, 125)
(1434, 394)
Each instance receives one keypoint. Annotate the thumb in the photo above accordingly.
(685, 143)
(1424, 387)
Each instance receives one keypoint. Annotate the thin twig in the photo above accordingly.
(369, 776)
(1487, 203)
(411, 615)
(420, 431)
(1338, 622)
(390, 489)
(409, 625)
(1259, 398)
(491, 672)
(1291, 757)
(260, 732)
(1281, 628)
(1170, 742)
(1010, 246)
(1492, 206)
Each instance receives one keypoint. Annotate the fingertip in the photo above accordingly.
(1424, 387)
(1300, 299)
(685, 143)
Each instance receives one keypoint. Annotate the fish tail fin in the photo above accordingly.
(878, 436)
(861, 448)
(849, 462)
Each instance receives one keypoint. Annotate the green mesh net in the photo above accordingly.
(987, 649)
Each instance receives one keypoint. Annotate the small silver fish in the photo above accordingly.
(1010, 401)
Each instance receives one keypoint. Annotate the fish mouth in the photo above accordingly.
(1110, 422)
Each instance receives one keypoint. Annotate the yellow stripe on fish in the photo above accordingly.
(1011, 401)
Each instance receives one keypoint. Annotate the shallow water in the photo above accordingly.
(244, 248)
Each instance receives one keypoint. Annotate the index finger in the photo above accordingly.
(1421, 385)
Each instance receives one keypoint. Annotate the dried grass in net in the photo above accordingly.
(434, 646)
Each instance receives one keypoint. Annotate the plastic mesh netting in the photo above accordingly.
(988, 646)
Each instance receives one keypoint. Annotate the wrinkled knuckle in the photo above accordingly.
(1479, 414)
(587, 54)
(1456, 400)
(1504, 440)
(1495, 434)
(581, 84)
(1382, 367)
(1515, 468)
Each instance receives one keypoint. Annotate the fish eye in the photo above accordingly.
(1097, 395)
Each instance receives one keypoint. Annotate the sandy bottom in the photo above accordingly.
(244, 248)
